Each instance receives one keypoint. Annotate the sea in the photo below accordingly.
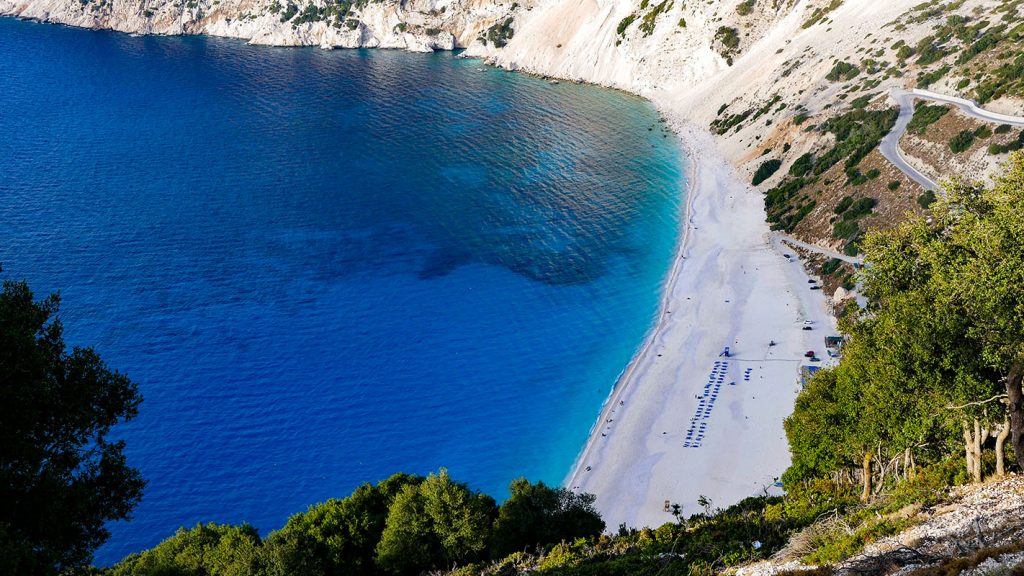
(325, 267)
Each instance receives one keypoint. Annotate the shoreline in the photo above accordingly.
(678, 259)
(638, 456)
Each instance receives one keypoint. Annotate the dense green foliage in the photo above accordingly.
(339, 536)
(842, 71)
(289, 12)
(402, 525)
(61, 478)
(802, 165)
(535, 514)
(821, 13)
(940, 343)
(962, 141)
(924, 116)
(765, 171)
(1011, 146)
(499, 33)
(857, 133)
(728, 39)
(206, 550)
(624, 23)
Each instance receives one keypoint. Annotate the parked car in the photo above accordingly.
(809, 354)
(808, 328)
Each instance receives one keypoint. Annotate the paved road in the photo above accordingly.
(890, 147)
(777, 238)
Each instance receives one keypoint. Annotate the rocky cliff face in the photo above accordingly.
(417, 25)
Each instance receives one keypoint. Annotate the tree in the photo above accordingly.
(941, 337)
(983, 245)
(536, 514)
(340, 536)
(205, 550)
(61, 478)
(435, 524)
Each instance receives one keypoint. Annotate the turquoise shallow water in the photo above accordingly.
(326, 267)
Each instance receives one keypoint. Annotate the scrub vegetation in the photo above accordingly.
(856, 133)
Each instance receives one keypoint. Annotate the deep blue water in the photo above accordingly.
(326, 267)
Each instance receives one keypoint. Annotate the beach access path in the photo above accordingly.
(685, 421)
(777, 238)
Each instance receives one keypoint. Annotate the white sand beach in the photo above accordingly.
(683, 421)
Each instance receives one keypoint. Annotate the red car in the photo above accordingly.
(809, 354)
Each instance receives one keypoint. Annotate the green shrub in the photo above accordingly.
(311, 13)
(929, 51)
(499, 33)
(802, 165)
(203, 549)
(961, 141)
(927, 199)
(745, 8)
(982, 132)
(836, 547)
(860, 208)
(765, 171)
(1003, 129)
(845, 229)
(1008, 78)
(894, 185)
(831, 266)
(843, 205)
(842, 71)
(624, 23)
(862, 101)
(987, 40)
(926, 80)
(819, 14)
(925, 115)
(289, 12)
(729, 38)
(648, 23)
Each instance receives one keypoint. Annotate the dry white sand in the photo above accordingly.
(730, 286)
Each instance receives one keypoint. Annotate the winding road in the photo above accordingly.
(890, 149)
(890, 145)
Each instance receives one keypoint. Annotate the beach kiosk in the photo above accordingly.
(834, 345)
